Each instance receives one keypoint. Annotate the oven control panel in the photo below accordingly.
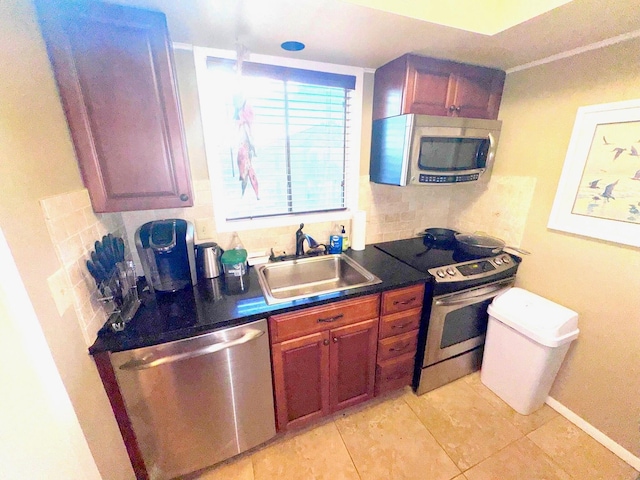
(473, 269)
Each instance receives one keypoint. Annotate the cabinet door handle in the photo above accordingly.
(325, 342)
(452, 108)
(331, 319)
(458, 109)
(405, 302)
(402, 325)
(399, 349)
(335, 339)
(184, 197)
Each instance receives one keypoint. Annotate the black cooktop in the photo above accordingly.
(475, 271)
(413, 251)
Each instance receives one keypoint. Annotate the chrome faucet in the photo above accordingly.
(300, 238)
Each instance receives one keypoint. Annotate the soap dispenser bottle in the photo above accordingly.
(345, 239)
(335, 243)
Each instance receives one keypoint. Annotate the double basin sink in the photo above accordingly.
(308, 277)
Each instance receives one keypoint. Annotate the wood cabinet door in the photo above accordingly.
(430, 89)
(114, 70)
(478, 92)
(301, 379)
(353, 363)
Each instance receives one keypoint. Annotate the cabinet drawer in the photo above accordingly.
(398, 323)
(398, 345)
(395, 373)
(316, 319)
(402, 299)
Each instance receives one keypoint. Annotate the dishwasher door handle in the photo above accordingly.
(143, 363)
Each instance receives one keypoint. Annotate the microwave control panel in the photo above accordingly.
(424, 178)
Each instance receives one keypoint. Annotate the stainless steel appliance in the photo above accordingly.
(424, 150)
(208, 260)
(167, 254)
(452, 333)
(195, 402)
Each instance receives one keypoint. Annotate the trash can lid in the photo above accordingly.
(536, 317)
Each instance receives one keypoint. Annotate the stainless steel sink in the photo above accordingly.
(308, 277)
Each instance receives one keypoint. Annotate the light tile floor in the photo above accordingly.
(461, 431)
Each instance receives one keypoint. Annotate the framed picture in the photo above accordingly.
(599, 191)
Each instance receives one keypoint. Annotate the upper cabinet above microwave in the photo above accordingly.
(423, 85)
(114, 70)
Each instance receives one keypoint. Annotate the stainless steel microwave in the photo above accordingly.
(425, 150)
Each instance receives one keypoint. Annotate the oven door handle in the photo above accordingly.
(471, 299)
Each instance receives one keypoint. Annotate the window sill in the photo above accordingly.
(282, 221)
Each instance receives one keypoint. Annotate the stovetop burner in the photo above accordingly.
(413, 251)
(459, 270)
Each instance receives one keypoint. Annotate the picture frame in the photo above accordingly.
(598, 193)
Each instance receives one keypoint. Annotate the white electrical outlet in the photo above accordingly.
(204, 228)
(60, 291)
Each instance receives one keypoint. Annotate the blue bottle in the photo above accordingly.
(335, 244)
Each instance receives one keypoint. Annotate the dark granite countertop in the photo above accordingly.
(206, 307)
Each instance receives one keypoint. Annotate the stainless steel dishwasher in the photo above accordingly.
(198, 401)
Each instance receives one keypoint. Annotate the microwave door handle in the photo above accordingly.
(471, 299)
(141, 364)
(492, 150)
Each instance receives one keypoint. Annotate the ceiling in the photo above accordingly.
(345, 33)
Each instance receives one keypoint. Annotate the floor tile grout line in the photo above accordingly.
(348, 451)
(553, 460)
(433, 436)
(473, 390)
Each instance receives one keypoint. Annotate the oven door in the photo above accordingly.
(458, 321)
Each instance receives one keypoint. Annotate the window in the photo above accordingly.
(282, 141)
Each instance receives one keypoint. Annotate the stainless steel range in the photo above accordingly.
(451, 338)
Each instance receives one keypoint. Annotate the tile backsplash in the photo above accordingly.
(498, 208)
(74, 228)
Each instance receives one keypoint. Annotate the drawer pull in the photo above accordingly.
(405, 302)
(331, 319)
(402, 325)
(399, 349)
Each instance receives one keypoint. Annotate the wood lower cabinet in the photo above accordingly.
(401, 311)
(352, 364)
(324, 359)
(114, 70)
(300, 375)
(430, 86)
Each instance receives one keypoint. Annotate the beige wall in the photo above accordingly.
(37, 161)
(43, 436)
(600, 380)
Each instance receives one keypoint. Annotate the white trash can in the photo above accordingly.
(527, 339)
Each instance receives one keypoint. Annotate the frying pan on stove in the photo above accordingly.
(438, 237)
(480, 245)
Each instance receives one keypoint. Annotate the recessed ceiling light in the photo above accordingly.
(292, 46)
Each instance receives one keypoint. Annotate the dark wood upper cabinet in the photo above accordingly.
(114, 70)
(430, 86)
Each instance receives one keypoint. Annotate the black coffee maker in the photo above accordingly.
(167, 254)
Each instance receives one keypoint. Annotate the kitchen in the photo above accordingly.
(599, 381)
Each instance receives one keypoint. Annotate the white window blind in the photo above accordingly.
(293, 125)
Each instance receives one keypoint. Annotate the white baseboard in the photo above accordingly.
(596, 434)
